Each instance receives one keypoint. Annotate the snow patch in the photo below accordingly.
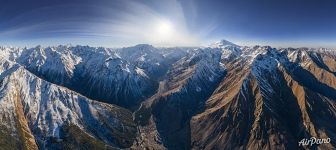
(141, 72)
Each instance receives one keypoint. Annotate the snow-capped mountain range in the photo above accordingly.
(223, 96)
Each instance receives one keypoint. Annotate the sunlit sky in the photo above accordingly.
(116, 23)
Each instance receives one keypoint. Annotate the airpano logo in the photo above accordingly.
(312, 141)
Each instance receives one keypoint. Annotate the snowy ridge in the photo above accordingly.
(48, 107)
(228, 49)
(105, 75)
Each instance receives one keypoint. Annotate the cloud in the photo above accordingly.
(128, 22)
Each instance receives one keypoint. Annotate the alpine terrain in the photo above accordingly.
(223, 96)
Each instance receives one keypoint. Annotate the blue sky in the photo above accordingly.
(115, 23)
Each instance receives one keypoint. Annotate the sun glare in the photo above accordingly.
(168, 33)
(165, 29)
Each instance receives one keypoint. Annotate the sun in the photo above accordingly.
(167, 32)
(165, 29)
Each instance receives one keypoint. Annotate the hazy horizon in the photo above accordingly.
(160, 46)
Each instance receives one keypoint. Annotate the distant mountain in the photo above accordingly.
(223, 96)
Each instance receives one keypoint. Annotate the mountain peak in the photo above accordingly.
(143, 45)
(223, 43)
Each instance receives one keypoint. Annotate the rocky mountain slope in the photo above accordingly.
(280, 98)
(264, 99)
(224, 96)
(36, 114)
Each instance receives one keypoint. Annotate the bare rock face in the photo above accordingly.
(271, 104)
(265, 99)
